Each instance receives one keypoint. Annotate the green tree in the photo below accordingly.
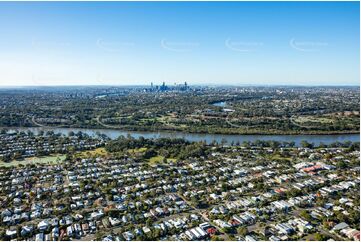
(243, 231)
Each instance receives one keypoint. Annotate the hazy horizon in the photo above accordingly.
(202, 43)
(194, 85)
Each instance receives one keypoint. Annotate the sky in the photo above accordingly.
(136, 43)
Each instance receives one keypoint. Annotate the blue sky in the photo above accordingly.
(122, 43)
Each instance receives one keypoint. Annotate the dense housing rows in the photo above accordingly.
(19, 145)
(221, 192)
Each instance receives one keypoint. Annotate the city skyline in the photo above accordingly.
(135, 43)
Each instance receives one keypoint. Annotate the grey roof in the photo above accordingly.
(340, 226)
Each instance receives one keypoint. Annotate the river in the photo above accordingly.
(220, 104)
(114, 133)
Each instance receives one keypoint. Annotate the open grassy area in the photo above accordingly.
(277, 157)
(140, 150)
(92, 153)
(312, 119)
(159, 160)
(156, 159)
(34, 160)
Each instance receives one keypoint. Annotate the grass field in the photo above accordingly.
(311, 119)
(92, 153)
(159, 160)
(156, 160)
(278, 157)
(34, 160)
(140, 150)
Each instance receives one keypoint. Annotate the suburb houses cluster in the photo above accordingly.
(20, 145)
(228, 193)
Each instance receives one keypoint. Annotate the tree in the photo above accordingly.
(341, 164)
(149, 222)
(320, 237)
(243, 231)
(227, 230)
(306, 144)
(216, 238)
(304, 214)
(149, 153)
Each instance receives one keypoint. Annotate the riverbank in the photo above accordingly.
(200, 130)
(207, 137)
